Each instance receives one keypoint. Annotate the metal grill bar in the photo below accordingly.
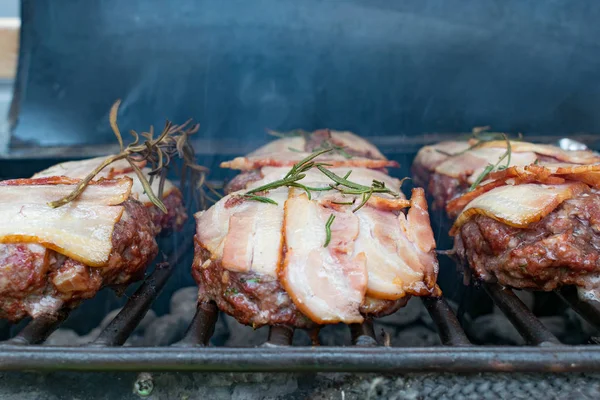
(280, 335)
(530, 328)
(119, 329)
(587, 309)
(202, 326)
(38, 330)
(363, 334)
(271, 359)
(449, 329)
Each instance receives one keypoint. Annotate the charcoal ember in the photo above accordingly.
(242, 335)
(335, 335)
(556, 324)
(415, 336)
(406, 315)
(494, 328)
(63, 337)
(165, 330)
(585, 327)
(184, 301)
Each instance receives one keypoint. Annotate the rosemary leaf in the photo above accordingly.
(85, 181)
(147, 188)
(365, 199)
(328, 230)
(299, 185)
(480, 178)
(341, 181)
(343, 203)
(114, 110)
(262, 199)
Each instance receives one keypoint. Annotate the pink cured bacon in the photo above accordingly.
(268, 263)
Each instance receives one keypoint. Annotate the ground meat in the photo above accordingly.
(441, 188)
(175, 217)
(561, 249)
(36, 281)
(259, 300)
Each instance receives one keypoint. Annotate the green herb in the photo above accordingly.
(295, 150)
(261, 199)
(230, 291)
(157, 152)
(251, 280)
(489, 168)
(344, 203)
(328, 230)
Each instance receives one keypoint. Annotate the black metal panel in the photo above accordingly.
(376, 67)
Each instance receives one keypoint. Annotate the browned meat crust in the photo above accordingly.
(176, 214)
(36, 281)
(259, 300)
(561, 249)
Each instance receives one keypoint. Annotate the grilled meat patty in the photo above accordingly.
(35, 280)
(561, 249)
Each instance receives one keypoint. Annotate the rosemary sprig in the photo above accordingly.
(328, 230)
(490, 168)
(156, 152)
(295, 174)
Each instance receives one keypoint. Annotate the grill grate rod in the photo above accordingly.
(119, 329)
(363, 335)
(38, 330)
(529, 327)
(449, 329)
(202, 326)
(280, 335)
(587, 309)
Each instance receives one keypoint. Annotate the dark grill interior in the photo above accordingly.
(365, 352)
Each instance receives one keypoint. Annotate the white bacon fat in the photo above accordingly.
(519, 205)
(81, 230)
(118, 169)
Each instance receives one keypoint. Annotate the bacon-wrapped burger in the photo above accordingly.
(315, 235)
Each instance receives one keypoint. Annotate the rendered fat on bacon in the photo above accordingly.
(121, 168)
(81, 230)
(171, 196)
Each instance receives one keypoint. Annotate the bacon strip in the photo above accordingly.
(81, 230)
(519, 205)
